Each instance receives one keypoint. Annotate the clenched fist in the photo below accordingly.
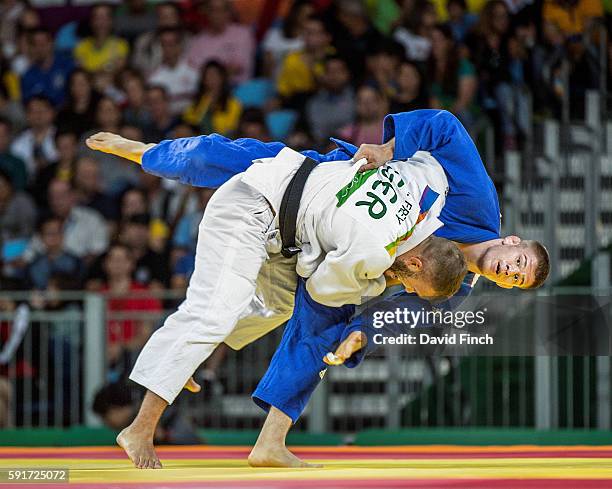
(376, 154)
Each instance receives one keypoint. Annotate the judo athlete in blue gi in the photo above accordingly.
(471, 218)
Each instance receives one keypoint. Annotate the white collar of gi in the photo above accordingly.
(285, 155)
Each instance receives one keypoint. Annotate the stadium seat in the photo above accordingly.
(254, 93)
(280, 123)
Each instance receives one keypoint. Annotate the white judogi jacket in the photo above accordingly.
(351, 226)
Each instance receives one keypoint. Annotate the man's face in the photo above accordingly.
(158, 105)
(412, 276)
(167, 16)
(61, 198)
(39, 114)
(66, 146)
(52, 235)
(509, 263)
(41, 47)
(135, 235)
(118, 263)
(171, 46)
(218, 14)
(337, 75)
(102, 20)
(315, 35)
(87, 175)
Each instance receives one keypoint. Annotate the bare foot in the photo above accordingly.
(139, 448)
(276, 456)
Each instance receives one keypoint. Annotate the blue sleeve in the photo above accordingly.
(209, 161)
(436, 131)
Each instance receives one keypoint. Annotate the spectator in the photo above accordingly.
(61, 169)
(115, 405)
(53, 258)
(79, 113)
(10, 164)
(488, 45)
(382, 64)
(36, 145)
(302, 69)
(134, 18)
(371, 108)
(133, 202)
(223, 40)
(11, 107)
(48, 73)
(335, 92)
(215, 109)
(17, 218)
(147, 53)
(414, 33)
(253, 125)
(85, 231)
(353, 34)
(108, 115)
(162, 121)
(10, 12)
(453, 77)
(102, 52)
(460, 20)
(88, 189)
(165, 201)
(174, 73)
(117, 173)
(125, 336)
(573, 17)
(28, 21)
(151, 268)
(412, 93)
(185, 237)
(288, 37)
(135, 111)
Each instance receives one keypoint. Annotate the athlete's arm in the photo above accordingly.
(436, 131)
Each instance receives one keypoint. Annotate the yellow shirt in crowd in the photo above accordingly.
(572, 20)
(94, 58)
(297, 75)
(220, 121)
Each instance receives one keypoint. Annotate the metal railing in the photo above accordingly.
(61, 363)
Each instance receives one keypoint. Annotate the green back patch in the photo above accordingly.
(358, 180)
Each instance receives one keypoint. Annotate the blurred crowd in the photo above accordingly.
(298, 71)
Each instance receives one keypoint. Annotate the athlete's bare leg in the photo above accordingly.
(137, 438)
(270, 449)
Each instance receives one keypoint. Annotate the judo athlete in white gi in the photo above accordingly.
(352, 228)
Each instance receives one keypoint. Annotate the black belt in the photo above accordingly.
(287, 217)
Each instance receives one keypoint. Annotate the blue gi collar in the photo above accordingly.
(348, 148)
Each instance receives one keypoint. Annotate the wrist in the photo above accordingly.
(390, 148)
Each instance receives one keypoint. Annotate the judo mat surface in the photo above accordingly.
(428, 467)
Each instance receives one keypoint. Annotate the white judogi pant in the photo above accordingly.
(233, 239)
